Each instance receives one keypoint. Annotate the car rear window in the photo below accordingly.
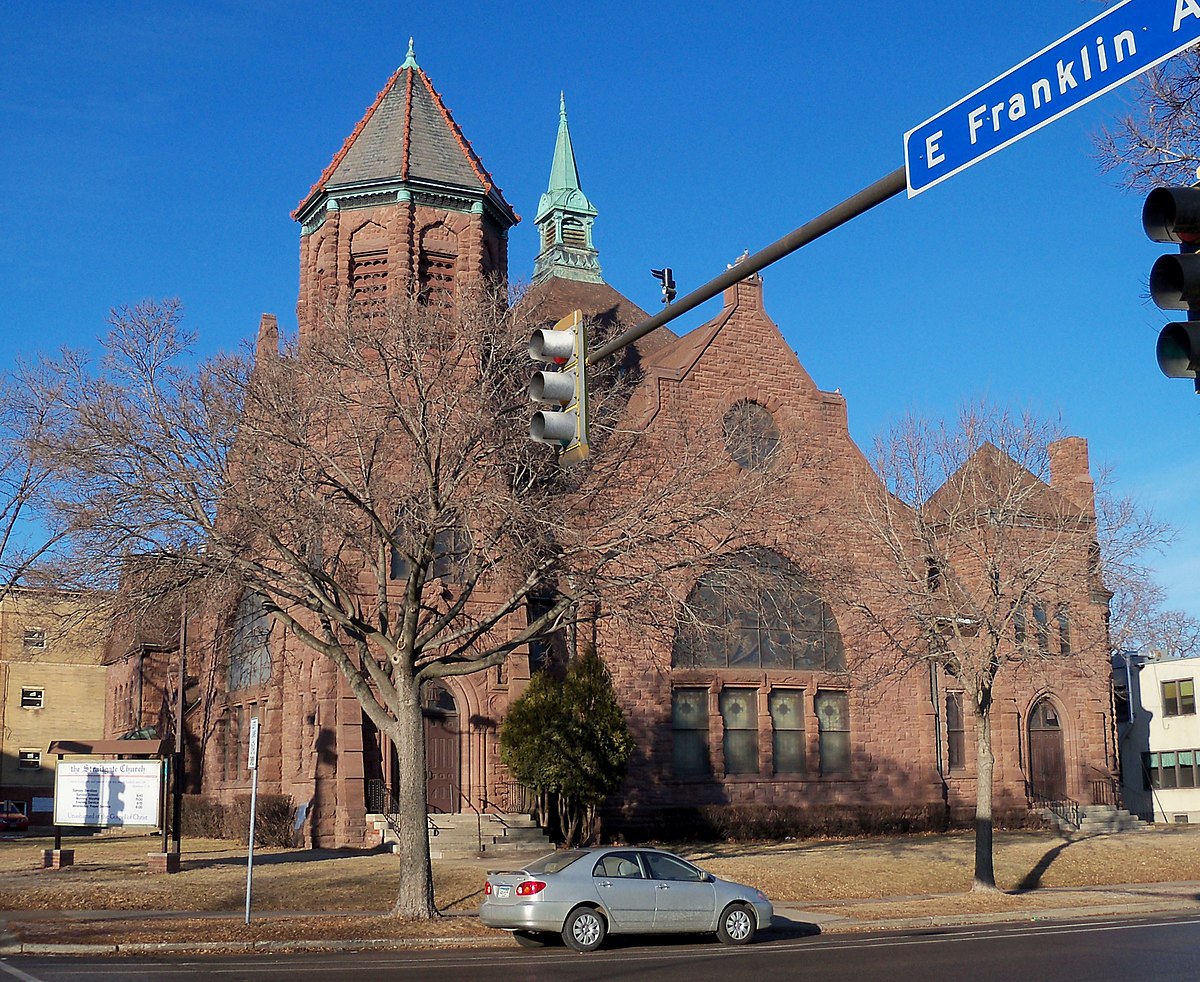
(555, 861)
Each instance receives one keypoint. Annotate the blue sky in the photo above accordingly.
(157, 149)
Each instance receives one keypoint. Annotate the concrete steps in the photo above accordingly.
(1097, 820)
(467, 835)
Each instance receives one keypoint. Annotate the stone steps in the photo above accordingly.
(1097, 820)
(466, 835)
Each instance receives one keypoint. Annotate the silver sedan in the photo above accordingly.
(586, 894)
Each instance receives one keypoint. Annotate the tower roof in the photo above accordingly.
(408, 136)
(564, 191)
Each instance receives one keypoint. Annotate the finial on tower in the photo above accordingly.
(411, 60)
(562, 105)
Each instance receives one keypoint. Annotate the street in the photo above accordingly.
(1109, 949)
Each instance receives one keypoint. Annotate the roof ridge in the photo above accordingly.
(327, 173)
(464, 144)
(408, 94)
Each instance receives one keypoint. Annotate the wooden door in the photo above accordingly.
(1047, 760)
(441, 749)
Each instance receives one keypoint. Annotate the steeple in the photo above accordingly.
(564, 217)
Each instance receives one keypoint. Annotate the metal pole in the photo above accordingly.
(252, 761)
(866, 199)
(177, 764)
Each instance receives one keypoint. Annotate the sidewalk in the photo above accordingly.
(462, 929)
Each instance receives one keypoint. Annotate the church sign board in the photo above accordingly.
(106, 793)
(1106, 51)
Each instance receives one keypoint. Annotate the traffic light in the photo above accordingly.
(1173, 215)
(667, 279)
(566, 427)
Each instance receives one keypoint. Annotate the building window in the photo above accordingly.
(833, 726)
(249, 651)
(689, 730)
(451, 555)
(34, 639)
(1179, 698)
(29, 760)
(787, 730)
(756, 613)
(956, 735)
(1170, 769)
(751, 436)
(739, 713)
(32, 698)
(1042, 627)
(1019, 627)
(1064, 631)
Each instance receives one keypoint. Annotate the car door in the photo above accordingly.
(684, 898)
(623, 889)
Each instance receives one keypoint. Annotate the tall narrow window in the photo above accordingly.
(368, 264)
(739, 712)
(1042, 627)
(1064, 631)
(833, 724)
(689, 726)
(1019, 626)
(955, 732)
(787, 730)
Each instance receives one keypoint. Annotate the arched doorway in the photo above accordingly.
(441, 747)
(1047, 761)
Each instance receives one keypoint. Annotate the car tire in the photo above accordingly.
(531, 939)
(737, 925)
(584, 929)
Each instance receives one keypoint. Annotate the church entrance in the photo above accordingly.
(441, 748)
(1047, 761)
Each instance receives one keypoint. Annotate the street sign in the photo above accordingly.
(1106, 51)
(252, 753)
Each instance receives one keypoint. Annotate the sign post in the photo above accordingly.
(252, 763)
(1110, 49)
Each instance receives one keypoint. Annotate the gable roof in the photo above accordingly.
(408, 134)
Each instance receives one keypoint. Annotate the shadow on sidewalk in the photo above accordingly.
(277, 858)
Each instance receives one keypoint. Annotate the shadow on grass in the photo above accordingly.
(1033, 879)
(280, 858)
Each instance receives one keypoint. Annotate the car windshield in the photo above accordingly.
(555, 861)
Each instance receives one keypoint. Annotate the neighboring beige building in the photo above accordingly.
(52, 687)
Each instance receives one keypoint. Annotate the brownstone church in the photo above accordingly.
(760, 716)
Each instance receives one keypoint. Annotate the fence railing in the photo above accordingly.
(1104, 789)
(1066, 809)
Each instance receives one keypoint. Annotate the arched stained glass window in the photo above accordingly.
(757, 613)
(249, 649)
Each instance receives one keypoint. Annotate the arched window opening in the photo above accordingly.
(574, 234)
(757, 613)
(368, 264)
(437, 267)
(249, 650)
(751, 436)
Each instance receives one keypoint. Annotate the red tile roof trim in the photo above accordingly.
(464, 144)
(408, 92)
(340, 155)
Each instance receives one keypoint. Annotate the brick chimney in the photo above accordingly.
(1070, 474)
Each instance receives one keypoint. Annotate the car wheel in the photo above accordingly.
(737, 925)
(585, 929)
(531, 939)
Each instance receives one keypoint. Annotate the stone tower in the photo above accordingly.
(405, 206)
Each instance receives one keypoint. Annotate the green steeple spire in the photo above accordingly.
(564, 217)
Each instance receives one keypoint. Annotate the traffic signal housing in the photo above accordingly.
(666, 277)
(566, 425)
(1173, 215)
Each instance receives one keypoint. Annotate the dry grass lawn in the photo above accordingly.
(333, 890)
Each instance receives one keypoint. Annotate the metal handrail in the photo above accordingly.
(1066, 809)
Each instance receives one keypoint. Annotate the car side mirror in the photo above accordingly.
(709, 878)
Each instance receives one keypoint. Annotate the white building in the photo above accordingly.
(1159, 735)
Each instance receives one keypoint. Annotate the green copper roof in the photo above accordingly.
(564, 191)
(564, 218)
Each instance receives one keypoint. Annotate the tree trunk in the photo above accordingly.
(985, 872)
(415, 896)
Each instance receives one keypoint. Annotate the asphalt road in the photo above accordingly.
(1114, 949)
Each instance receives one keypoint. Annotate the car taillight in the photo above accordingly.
(487, 888)
(530, 887)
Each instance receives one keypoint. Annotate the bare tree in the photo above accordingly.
(978, 556)
(1157, 140)
(31, 533)
(378, 490)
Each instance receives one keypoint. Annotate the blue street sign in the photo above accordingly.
(1106, 51)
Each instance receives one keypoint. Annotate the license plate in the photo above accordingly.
(503, 891)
